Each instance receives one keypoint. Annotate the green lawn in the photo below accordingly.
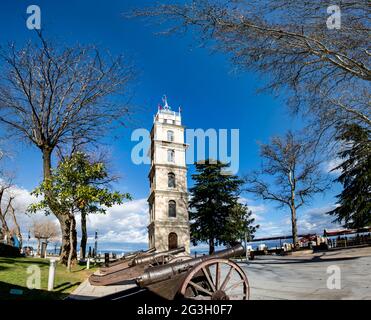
(13, 275)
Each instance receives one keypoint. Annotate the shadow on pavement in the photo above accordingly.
(296, 260)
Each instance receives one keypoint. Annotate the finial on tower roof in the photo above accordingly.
(164, 100)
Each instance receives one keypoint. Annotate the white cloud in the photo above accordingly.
(332, 164)
(22, 199)
(257, 209)
(122, 223)
(313, 220)
(126, 223)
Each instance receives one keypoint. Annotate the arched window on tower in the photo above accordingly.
(171, 180)
(172, 209)
(170, 136)
(173, 240)
(171, 155)
(151, 211)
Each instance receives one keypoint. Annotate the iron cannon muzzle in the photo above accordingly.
(154, 257)
(164, 272)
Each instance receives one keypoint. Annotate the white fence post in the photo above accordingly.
(51, 275)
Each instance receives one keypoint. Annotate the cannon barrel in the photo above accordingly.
(131, 255)
(168, 271)
(154, 256)
(127, 257)
(134, 254)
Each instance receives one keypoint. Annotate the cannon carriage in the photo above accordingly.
(125, 271)
(124, 261)
(209, 277)
(213, 277)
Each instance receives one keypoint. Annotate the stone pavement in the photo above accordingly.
(289, 277)
(85, 291)
(305, 277)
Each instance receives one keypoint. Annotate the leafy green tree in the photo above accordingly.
(80, 186)
(216, 216)
(354, 202)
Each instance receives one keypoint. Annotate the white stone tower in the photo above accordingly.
(168, 208)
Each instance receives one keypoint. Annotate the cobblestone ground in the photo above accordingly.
(306, 277)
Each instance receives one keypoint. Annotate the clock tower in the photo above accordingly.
(168, 208)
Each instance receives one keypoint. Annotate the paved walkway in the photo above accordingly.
(85, 291)
(305, 277)
(289, 277)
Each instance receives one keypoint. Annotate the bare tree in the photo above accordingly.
(289, 176)
(59, 97)
(7, 209)
(5, 205)
(44, 230)
(17, 229)
(327, 71)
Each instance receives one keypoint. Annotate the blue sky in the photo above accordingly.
(211, 95)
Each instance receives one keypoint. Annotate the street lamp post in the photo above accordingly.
(96, 244)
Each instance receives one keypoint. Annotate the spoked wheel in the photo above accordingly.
(216, 279)
(180, 258)
(164, 259)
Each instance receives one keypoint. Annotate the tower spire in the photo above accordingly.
(164, 100)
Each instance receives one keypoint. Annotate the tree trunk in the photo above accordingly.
(6, 231)
(294, 228)
(38, 247)
(72, 239)
(65, 222)
(211, 246)
(84, 236)
(47, 164)
(62, 217)
(18, 229)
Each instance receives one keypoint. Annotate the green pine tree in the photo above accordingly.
(354, 202)
(215, 213)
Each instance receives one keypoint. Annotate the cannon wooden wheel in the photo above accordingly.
(159, 261)
(180, 258)
(165, 259)
(216, 279)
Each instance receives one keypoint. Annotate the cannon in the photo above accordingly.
(157, 258)
(130, 268)
(212, 277)
(124, 261)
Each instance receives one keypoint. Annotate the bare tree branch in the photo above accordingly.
(325, 73)
(295, 172)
